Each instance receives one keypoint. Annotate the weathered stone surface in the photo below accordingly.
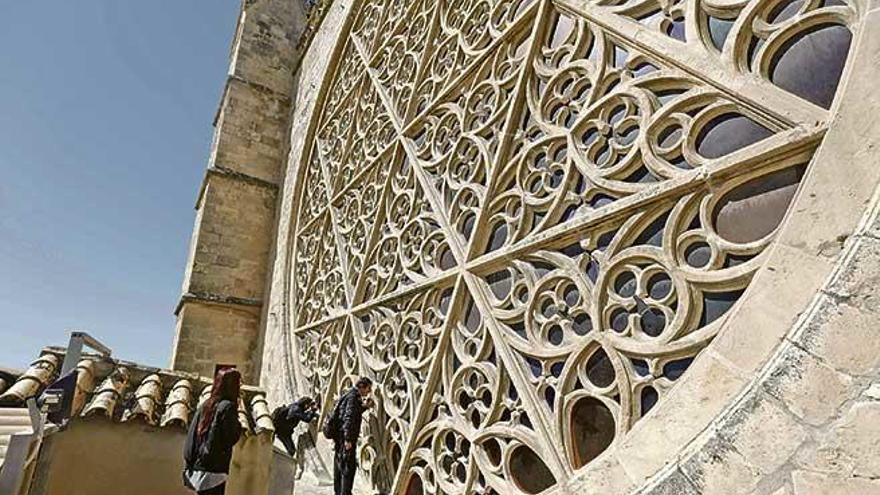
(263, 51)
(774, 401)
(849, 448)
(780, 292)
(210, 334)
(718, 468)
(233, 241)
(808, 388)
(675, 484)
(230, 252)
(844, 337)
(251, 136)
(806, 483)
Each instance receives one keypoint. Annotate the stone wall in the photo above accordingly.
(219, 314)
(278, 366)
(784, 401)
(96, 457)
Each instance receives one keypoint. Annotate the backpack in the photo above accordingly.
(278, 415)
(332, 427)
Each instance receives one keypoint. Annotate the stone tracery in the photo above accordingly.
(537, 222)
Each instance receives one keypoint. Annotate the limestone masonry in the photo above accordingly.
(611, 247)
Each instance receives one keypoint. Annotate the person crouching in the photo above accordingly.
(287, 418)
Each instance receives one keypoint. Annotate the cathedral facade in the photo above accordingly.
(610, 246)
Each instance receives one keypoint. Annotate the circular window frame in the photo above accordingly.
(826, 211)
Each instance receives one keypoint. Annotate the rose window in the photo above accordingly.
(525, 219)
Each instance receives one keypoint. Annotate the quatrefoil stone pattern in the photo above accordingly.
(526, 219)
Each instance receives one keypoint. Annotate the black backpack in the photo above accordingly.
(278, 415)
(332, 427)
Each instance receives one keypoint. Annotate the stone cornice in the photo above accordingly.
(231, 79)
(216, 300)
(234, 175)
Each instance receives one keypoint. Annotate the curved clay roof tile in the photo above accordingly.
(178, 405)
(38, 375)
(244, 417)
(203, 396)
(85, 385)
(108, 395)
(147, 399)
(262, 415)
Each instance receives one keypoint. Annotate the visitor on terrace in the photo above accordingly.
(343, 426)
(212, 434)
(287, 418)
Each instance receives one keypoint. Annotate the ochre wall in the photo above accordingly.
(96, 457)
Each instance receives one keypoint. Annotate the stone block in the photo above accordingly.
(846, 338)
(857, 283)
(806, 483)
(763, 432)
(717, 468)
(674, 484)
(605, 475)
(850, 447)
(688, 410)
(264, 50)
(209, 334)
(251, 131)
(233, 264)
(808, 388)
(776, 298)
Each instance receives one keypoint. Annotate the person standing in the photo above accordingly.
(346, 420)
(213, 433)
(287, 418)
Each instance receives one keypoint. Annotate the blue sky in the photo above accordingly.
(105, 127)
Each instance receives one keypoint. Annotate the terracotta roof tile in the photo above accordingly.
(111, 390)
(148, 401)
(128, 392)
(85, 385)
(261, 414)
(244, 418)
(40, 373)
(178, 405)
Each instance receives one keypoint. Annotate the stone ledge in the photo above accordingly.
(235, 175)
(251, 130)
(232, 79)
(240, 176)
(216, 300)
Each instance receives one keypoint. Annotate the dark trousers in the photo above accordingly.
(217, 490)
(286, 438)
(344, 467)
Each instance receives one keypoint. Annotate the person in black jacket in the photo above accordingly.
(287, 418)
(213, 433)
(350, 410)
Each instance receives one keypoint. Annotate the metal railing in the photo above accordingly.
(23, 450)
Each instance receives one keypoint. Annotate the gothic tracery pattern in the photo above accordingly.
(525, 219)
